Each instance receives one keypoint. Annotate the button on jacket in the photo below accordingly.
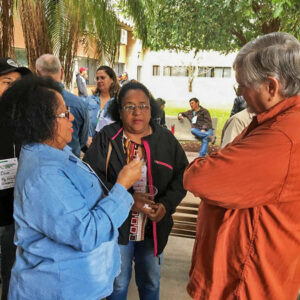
(66, 237)
(248, 232)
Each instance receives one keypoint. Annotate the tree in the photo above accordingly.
(6, 28)
(58, 26)
(221, 25)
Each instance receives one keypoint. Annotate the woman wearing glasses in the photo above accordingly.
(144, 234)
(98, 103)
(66, 228)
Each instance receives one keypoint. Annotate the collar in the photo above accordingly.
(278, 108)
(51, 153)
(61, 85)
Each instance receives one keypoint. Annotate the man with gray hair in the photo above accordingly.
(248, 232)
(49, 65)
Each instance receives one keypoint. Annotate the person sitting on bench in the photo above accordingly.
(201, 124)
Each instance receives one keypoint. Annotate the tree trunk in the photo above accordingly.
(35, 30)
(7, 28)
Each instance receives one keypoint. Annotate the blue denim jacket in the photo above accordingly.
(66, 237)
(93, 103)
(81, 120)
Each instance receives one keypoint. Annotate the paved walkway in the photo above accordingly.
(175, 270)
(176, 263)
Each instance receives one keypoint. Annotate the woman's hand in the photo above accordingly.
(130, 173)
(142, 203)
(158, 214)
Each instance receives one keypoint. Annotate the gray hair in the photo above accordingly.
(48, 64)
(277, 55)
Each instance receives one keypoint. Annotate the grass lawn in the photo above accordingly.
(221, 114)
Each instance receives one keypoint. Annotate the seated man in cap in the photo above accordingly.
(9, 72)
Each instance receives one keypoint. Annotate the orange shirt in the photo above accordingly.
(248, 231)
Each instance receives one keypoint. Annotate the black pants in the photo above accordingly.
(8, 254)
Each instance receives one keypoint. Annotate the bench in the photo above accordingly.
(185, 220)
(182, 128)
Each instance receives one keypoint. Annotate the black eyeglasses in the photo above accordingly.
(65, 114)
(132, 107)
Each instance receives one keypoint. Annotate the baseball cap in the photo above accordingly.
(8, 65)
(82, 69)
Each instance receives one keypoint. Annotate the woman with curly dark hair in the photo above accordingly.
(65, 225)
(144, 234)
(98, 103)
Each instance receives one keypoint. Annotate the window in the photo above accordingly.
(227, 72)
(119, 68)
(123, 36)
(155, 70)
(220, 72)
(179, 71)
(205, 72)
(167, 71)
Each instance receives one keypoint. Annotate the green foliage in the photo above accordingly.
(222, 115)
(212, 25)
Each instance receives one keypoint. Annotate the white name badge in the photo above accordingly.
(8, 171)
(194, 120)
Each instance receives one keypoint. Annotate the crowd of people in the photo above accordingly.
(72, 225)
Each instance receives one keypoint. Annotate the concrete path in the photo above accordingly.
(176, 263)
(175, 270)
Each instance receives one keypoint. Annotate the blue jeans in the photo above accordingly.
(8, 254)
(147, 271)
(204, 137)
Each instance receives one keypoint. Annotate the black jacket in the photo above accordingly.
(168, 162)
(7, 195)
(203, 118)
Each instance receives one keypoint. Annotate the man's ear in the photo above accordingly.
(273, 86)
(61, 74)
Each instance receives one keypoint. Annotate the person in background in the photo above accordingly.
(119, 78)
(161, 119)
(9, 150)
(201, 124)
(81, 79)
(144, 235)
(239, 104)
(124, 78)
(248, 239)
(235, 125)
(66, 220)
(98, 103)
(49, 65)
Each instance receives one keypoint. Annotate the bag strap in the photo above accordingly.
(108, 158)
